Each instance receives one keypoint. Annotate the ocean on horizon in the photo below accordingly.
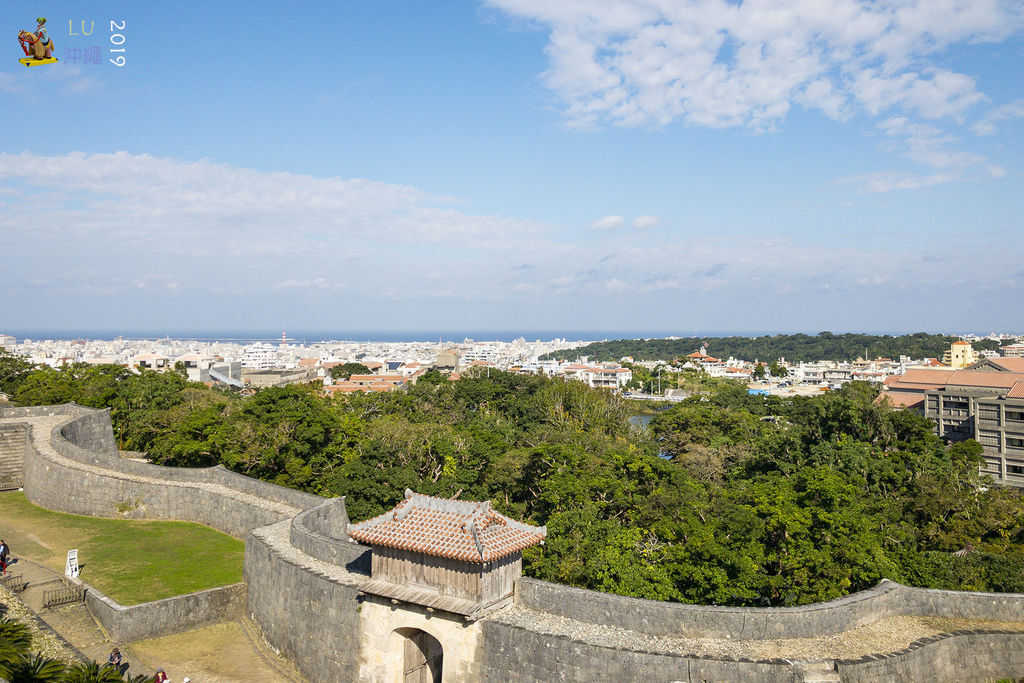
(314, 336)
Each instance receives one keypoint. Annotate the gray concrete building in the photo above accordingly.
(985, 402)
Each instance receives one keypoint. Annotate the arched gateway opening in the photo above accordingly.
(422, 656)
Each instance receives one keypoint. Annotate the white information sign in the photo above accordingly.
(71, 568)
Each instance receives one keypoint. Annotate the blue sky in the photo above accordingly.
(503, 164)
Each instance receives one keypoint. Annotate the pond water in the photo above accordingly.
(640, 420)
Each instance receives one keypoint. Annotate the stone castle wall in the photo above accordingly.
(973, 656)
(319, 533)
(887, 599)
(303, 578)
(77, 469)
(310, 613)
(170, 615)
(13, 446)
(514, 653)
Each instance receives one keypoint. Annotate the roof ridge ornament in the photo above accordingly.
(471, 525)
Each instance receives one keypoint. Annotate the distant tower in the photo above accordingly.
(284, 338)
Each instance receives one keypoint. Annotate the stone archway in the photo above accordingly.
(422, 656)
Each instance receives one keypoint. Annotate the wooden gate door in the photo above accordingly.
(423, 659)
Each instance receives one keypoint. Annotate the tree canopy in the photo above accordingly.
(727, 498)
(793, 347)
(346, 370)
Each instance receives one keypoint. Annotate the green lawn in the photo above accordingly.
(130, 561)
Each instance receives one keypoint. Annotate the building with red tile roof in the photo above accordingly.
(455, 529)
(984, 402)
(464, 556)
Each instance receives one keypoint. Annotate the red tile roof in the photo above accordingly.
(1016, 391)
(919, 379)
(924, 380)
(1011, 364)
(902, 399)
(460, 530)
(978, 378)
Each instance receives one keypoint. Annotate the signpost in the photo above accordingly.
(71, 568)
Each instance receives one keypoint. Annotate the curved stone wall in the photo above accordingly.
(513, 653)
(973, 656)
(320, 533)
(887, 599)
(669, 618)
(76, 469)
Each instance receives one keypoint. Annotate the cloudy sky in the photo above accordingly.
(674, 165)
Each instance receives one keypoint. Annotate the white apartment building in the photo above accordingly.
(607, 375)
(260, 357)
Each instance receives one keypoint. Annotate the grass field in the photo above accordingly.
(130, 561)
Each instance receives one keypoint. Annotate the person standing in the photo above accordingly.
(4, 552)
(160, 677)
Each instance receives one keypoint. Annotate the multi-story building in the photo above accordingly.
(984, 401)
(600, 375)
(1012, 351)
(999, 428)
(960, 355)
(260, 357)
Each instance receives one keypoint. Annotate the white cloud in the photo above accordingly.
(615, 285)
(659, 285)
(140, 234)
(888, 181)
(607, 223)
(1006, 112)
(644, 222)
(186, 205)
(722, 63)
(315, 283)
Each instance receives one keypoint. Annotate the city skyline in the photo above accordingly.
(509, 165)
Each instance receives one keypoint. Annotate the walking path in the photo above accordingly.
(224, 652)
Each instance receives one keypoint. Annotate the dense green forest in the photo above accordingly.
(727, 498)
(793, 347)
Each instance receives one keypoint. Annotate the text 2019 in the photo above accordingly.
(117, 39)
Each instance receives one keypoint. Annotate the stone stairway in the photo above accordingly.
(13, 440)
(818, 671)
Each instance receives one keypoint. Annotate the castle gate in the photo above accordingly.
(423, 657)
